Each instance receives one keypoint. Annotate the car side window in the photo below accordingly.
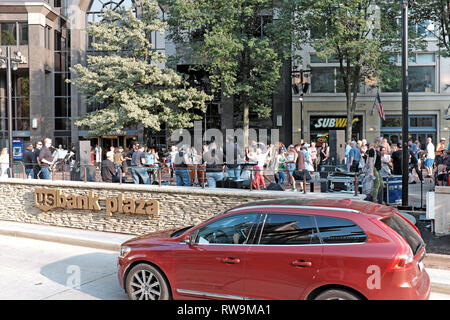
(234, 229)
(289, 229)
(337, 230)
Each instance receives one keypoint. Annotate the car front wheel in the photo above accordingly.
(144, 282)
(335, 294)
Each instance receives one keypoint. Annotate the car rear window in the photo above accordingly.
(403, 228)
(337, 230)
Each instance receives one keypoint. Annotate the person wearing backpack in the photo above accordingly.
(373, 168)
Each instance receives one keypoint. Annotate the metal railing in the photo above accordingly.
(163, 174)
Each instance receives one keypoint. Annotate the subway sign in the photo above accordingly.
(331, 122)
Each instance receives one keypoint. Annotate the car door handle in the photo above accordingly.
(301, 263)
(230, 260)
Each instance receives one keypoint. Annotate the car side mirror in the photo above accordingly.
(190, 239)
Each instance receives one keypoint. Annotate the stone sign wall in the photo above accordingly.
(129, 209)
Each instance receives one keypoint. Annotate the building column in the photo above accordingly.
(40, 63)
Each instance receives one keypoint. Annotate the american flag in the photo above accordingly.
(377, 104)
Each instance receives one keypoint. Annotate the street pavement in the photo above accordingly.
(415, 190)
(41, 270)
(36, 269)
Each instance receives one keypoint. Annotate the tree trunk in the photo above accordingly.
(246, 122)
(349, 129)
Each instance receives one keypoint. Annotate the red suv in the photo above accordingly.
(282, 249)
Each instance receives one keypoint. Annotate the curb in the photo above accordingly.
(61, 239)
(437, 261)
(440, 287)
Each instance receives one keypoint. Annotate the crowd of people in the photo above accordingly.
(257, 162)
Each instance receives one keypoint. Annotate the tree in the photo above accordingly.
(361, 35)
(238, 43)
(438, 13)
(125, 80)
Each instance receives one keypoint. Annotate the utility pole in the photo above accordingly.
(405, 112)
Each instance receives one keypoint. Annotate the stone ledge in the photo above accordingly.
(442, 190)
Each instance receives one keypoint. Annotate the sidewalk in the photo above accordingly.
(78, 237)
(437, 266)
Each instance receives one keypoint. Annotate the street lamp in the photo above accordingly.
(11, 63)
(405, 112)
(303, 89)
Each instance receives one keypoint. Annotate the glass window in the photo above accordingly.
(230, 230)
(403, 228)
(425, 57)
(285, 229)
(22, 88)
(425, 121)
(333, 59)
(61, 86)
(21, 124)
(426, 29)
(322, 80)
(393, 58)
(8, 34)
(392, 122)
(62, 124)
(315, 59)
(23, 33)
(421, 79)
(61, 108)
(22, 107)
(340, 88)
(336, 230)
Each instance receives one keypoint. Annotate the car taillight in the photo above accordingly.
(402, 258)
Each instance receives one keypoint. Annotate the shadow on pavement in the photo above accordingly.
(93, 274)
(434, 243)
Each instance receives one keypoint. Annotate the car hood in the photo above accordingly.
(159, 235)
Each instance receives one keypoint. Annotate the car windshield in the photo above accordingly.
(180, 232)
(403, 228)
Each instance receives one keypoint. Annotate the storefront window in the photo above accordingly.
(392, 122)
(321, 125)
(422, 121)
(420, 127)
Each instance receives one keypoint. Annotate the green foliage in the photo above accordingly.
(437, 11)
(227, 38)
(362, 35)
(125, 79)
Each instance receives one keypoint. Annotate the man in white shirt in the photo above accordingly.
(430, 155)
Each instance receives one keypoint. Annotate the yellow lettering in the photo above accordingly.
(340, 122)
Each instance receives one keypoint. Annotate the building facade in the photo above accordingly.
(51, 34)
(324, 105)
